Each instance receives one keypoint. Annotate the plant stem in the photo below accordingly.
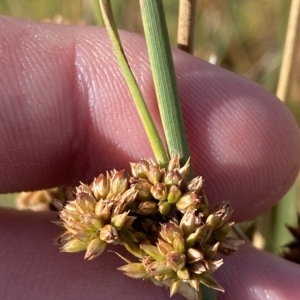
(149, 126)
(185, 42)
(163, 71)
(186, 25)
(283, 214)
(277, 235)
(207, 293)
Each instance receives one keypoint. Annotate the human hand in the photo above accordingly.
(66, 115)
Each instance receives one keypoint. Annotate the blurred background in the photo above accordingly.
(246, 37)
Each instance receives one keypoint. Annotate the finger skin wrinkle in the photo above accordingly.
(256, 275)
(37, 64)
(35, 269)
(110, 105)
(244, 137)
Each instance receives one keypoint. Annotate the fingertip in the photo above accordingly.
(243, 140)
(33, 268)
(71, 118)
(254, 274)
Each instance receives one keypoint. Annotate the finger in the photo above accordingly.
(254, 274)
(67, 116)
(32, 268)
(29, 259)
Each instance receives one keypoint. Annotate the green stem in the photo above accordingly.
(207, 293)
(284, 213)
(149, 126)
(163, 71)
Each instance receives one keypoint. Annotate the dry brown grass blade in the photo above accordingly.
(292, 39)
(186, 25)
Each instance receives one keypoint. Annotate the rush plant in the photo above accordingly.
(158, 211)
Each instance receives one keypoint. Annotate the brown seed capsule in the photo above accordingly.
(209, 281)
(133, 248)
(140, 169)
(159, 191)
(183, 274)
(185, 170)
(84, 188)
(175, 260)
(174, 194)
(147, 207)
(119, 182)
(143, 187)
(179, 244)
(118, 221)
(229, 246)
(102, 209)
(175, 286)
(124, 202)
(75, 227)
(194, 281)
(203, 233)
(174, 163)
(84, 235)
(164, 247)
(85, 203)
(109, 234)
(158, 268)
(95, 248)
(214, 265)
(154, 174)
(193, 255)
(134, 270)
(100, 186)
(211, 252)
(187, 223)
(169, 231)
(172, 178)
(223, 231)
(198, 267)
(153, 251)
(68, 215)
(164, 208)
(128, 222)
(188, 201)
(219, 216)
(195, 185)
(64, 238)
(74, 245)
(92, 220)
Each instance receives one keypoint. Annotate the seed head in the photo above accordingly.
(140, 169)
(101, 186)
(155, 174)
(119, 182)
(95, 248)
(160, 216)
(174, 194)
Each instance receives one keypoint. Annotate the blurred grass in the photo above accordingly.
(246, 37)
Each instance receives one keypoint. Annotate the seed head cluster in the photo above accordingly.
(159, 215)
